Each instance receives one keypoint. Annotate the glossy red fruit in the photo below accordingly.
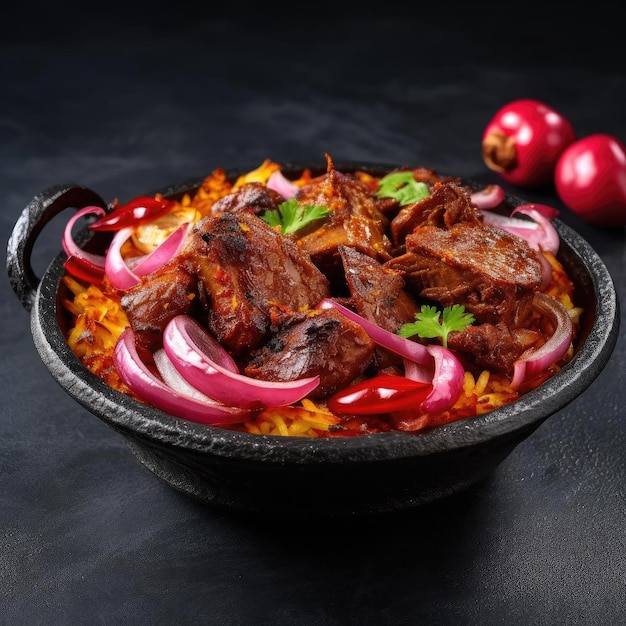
(590, 179)
(524, 140)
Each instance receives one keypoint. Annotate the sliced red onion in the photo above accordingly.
(206, 365)
(535, 361)
(416, 371)
(154, 391)
(171, 376)
(489, 197)
(432, 364)
(544, 210)
(546, 272)
(164, 252)
(404, 347)
(279, 183)
(538, 232)
(526, 229)
(447, 380)
(547, 237)
(95, 262)
(121, 276)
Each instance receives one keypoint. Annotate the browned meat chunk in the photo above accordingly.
(484, 268)
(152, 303)
(493, 346)
(391, 206)
(325, 342)
(378, 294)
(254, 197)
(355, 220)
(431, 177)
(251, 278)
(447, 204)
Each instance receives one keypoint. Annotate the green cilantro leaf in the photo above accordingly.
(292, 217)
(428, 326)
(402, 187)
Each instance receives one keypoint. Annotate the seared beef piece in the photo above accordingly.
(431, 177)
(251, 278)
(255, 197)
(378, 294)
(355, 220)
(482, 267)
(325, 342)
(152, 303)
(493, 346)
(447, 204)
(390, 206)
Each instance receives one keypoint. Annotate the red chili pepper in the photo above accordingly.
(84, 270)
(381, 394)
(139, 210)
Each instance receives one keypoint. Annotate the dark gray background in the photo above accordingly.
(124, 99)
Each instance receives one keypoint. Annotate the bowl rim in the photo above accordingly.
(139, 420)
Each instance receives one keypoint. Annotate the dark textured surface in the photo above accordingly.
(123, 102)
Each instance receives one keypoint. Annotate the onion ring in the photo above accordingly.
(489, 197)
(208, 367)
(535, 361)
(282, 185)
(94, 262)
(538, 231)
(147, 386)
(121, 276)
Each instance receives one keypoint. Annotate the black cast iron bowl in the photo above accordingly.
(301, 477)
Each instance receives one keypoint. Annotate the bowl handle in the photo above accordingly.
(41, 209)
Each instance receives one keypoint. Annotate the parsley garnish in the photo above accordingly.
(402, 187)
(292, 217)
(427, 323)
